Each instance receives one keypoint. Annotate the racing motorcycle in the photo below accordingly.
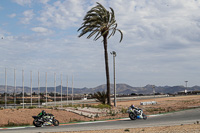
(136, 114)
(46, 120)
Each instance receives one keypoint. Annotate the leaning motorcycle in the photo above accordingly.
(136, 114)
(46, 120)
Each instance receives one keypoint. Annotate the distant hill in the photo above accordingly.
(120, 88)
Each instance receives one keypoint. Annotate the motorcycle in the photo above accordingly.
(46, 120)
(136, 114)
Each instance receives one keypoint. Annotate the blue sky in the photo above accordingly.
(161, 42)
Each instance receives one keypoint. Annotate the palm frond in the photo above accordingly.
(99, 21)
(121, 34)
(91, 34)
(97, 36)
(113, 32)
(112, 15)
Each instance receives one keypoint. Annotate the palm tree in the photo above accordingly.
(98, 21)
(100, 96)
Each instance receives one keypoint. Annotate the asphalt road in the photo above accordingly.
(176, 118)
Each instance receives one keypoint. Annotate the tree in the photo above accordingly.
(98, 21)
(100, 96)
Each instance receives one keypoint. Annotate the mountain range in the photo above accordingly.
(120, 89)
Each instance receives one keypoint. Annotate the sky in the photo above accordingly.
(161, 43)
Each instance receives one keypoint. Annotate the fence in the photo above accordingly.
(19, 88)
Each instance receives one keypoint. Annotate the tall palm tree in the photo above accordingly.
(98, 21)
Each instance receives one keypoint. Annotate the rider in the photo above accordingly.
(47, 121)
(135, 109)
(43, 113)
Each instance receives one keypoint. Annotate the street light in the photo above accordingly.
(114, 55)
(186, 86)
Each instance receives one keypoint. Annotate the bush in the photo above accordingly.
(123, 110)
(32, 107)
(102, 106)
(19, 108)
(101, 96)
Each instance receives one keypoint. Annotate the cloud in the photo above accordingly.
(42, 30)
(23, 2)
(62, 15)
(44, 1)
(28, 16)
(12, 15)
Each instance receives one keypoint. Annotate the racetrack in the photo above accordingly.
(176, 118)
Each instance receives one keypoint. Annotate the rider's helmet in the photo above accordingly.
(43, 112)
(132, 106)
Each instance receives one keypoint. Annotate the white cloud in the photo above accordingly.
(44, 1)
(23, 2)
(42, 30)
(62, 15)
(28, 16)
(12, 15)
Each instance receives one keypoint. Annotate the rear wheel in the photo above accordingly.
(56, 122)
(132, 116)
(37, 123)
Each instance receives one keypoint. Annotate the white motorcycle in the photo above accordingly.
(136, 114)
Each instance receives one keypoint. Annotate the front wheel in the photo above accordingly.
(132, 116)
(144, 117)
(56, 122)
(37, 123)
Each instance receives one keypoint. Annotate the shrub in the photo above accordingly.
(32, 107)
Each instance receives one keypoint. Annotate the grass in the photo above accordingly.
(75, 120)
(32, 107)
(12, 124)
(101, 106)
(155, 109)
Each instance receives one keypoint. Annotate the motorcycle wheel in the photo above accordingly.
(144, 117)
(132, 116)
(37, 123)
(56, 122)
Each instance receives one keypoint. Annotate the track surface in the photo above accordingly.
(176, 118)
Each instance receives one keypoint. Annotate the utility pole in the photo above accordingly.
(72, 90)
(46, 89)
(5, 88)
(15, 88)
(38, 89)
(23, 86)
(31, 87)
(67, 90)
(61, 90)
(114, 55)
(55, 88)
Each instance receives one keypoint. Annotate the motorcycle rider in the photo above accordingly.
(47, 121)
(135, 109)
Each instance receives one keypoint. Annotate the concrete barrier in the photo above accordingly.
(148, 103)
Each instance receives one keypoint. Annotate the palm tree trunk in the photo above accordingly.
(107, 69)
